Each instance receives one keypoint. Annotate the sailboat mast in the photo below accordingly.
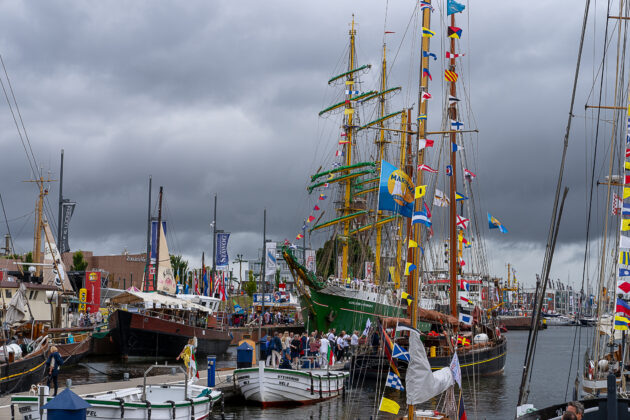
(157, 241)
(453, 202)
(349, 111)
(381, 155)
(148, 262)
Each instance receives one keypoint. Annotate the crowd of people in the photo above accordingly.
(286, 349)
(85, 320)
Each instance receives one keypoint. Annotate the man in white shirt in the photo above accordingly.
(340, 346)
(331, 335)
(323, 351)
(354, 343)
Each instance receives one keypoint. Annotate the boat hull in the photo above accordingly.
(483, 361)
(19, 375)
(126, 404)
(342, 312)
(273, 387)
(140, 335)
(72, 353)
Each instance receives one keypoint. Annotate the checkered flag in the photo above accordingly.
(393, 381)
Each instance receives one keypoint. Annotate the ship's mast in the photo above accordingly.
(414, 230)
(349, 111)
(381, 154)
(453, 202)
(38, 257)
(157, 242)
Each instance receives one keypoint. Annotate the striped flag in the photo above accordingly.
(621, 323)
(451, 55)
(427, 33)
(427, 168)
(450, 76)
(422, 143)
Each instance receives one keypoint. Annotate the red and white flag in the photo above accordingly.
(425, 95)
(628, 152)
(469, 175)
(427, 168)
(339, 153)
(422, 143)
(616, 204)
(462, 222)
(464, 299)
(623, 287)
(451, 55)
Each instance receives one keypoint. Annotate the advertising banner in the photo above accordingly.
(222, 259)
(93, 287)
(396, 190)
(271, 264)
(310, 260)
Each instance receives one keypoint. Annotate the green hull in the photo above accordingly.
(342, 313)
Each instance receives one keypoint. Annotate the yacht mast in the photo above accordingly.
(453, 203)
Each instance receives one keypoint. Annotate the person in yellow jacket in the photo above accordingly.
(188, 356)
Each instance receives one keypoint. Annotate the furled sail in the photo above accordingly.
(165, 278)
(54, 270)
(422, 384)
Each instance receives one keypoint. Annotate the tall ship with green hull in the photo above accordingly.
(383, 185)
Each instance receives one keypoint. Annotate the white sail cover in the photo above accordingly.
(422, 384)
(17, 307)
(53, 276)
(165, 278)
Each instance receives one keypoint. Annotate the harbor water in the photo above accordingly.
(492, 397)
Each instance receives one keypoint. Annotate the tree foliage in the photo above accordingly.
(358, 253)
(179, 265)
(250, 287)
(78, 263)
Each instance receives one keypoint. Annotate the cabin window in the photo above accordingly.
(8, 293)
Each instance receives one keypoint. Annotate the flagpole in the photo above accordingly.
(453, 207)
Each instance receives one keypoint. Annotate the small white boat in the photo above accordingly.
(559, 321)
(271, 386)
(181, 401)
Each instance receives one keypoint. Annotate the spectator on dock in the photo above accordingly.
(304, 342)
(188, 356)
(286, 345)
(331, 335)
(323, 350)
(576, 408)
(354, 343)
(340, 346)
(296, 348)
(276, 349)
(313, 345)
(568, 415)
(53, 363)
(375, 341)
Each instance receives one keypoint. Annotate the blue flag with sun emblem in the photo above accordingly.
(396, 191)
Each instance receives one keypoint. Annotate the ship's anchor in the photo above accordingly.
(331, 315)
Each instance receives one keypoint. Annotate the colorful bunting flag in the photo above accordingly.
(429, 54)
(414, 244)
(454, 32)
(316, 208)
(404, 296)
(451, 55)
(420, 217)
(623, 287)
(462, 222)
(454, 7)
(624, 272)
(427, 73)
(621, 323)
(425, 96)
(493, 223)
(465, 300)
(338, 153)
(456, 125)
(425, 5)
(310, 219)
(440, 199)
(426, 210)
(427, 33)
(352, 92)
(624, 242)
(420, 191)
(449, 170)
(400, 353)
(389, 406)
(423, 143)
(422, 117)
(624, 258)
(348, 111)
(409, 267)
(300, 236)
(626, 191)
(322, 197)
(465, 318)
(450, 76)
(457, 147)
(427, 168)
(460, 197)
(393, 381)
(622, 307)
(452, 100)
(625, 225)
(469, 175)
(626, 165)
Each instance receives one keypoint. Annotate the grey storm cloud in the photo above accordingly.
(222, 97)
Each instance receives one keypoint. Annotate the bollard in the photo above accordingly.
(173, 371)
(212, 362)
(42, 393)
(125, 376)
(68, 383)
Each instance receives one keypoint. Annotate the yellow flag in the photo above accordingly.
(625, 224)
(348, 111)
(621, 323)
(626, 190)
(627, 166)
(331, 176)
(349, 82)
(420, 191)
(413, 244)
(629, 110)
(406, 296)
(389, 406)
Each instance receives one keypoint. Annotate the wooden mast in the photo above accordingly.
(413, 231)
(381, 154)
(453, 203)
(349, 111)
(157, 242)
(38, 257)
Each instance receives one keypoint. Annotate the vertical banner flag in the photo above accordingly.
(222, 258)
(271, 265)
(154, 224)
(93, 286)
(396, 190)
(369, 270)
(311, 264)
(67, 208)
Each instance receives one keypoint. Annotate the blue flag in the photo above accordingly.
(421, 217)
(624, 272)
(493, 223)
(393, 381)
(396, 191)
(453, 7)
(205, 283)
(429, 54)
(400, 353)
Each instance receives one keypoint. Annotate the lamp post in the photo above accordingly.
(240, 260)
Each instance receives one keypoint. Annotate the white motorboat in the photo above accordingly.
(180, 401)
(271, 386)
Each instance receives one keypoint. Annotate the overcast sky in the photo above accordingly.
(222, 97)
